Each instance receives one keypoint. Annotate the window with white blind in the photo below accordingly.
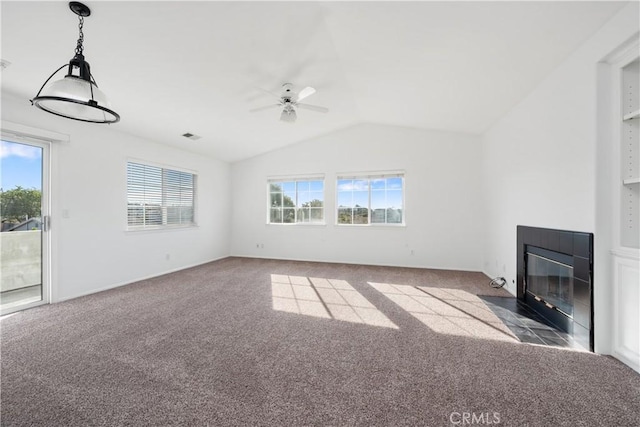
(296, 200)
(158, 197)
(376, 199)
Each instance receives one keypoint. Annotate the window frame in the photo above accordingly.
(161, 227)
(370, 176)
(296, 179)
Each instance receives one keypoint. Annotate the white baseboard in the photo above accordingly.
(129, 282)
(332, 261)
(509, 287)
(630, 359)
(139, 279)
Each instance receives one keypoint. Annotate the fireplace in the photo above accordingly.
(555, 278)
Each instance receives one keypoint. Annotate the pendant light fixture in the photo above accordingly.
(76, 96)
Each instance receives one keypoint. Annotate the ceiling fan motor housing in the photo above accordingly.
(289, 101)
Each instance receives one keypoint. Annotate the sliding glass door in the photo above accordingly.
(24, 208)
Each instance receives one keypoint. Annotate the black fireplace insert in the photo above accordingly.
(555, 278)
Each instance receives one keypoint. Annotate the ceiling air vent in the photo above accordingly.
(191, 136)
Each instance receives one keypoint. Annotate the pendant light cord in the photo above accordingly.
(79, 47)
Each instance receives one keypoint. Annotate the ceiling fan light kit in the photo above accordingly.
(288, 115)
(76, 96)
(290, 100)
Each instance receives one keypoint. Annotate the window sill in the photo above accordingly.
(297, 224)
(372, 225)
(142, 230)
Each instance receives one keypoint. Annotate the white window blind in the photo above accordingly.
(158, 197)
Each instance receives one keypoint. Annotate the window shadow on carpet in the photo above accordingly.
(448, 311)
(325, 298)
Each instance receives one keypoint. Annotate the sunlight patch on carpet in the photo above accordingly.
(448, 311)
(325, 298)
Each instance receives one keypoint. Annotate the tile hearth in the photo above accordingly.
(528, 326)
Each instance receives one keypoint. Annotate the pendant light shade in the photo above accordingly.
(76, 96)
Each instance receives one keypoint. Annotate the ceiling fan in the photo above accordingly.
(290, 100)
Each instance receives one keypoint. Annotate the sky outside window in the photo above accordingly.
(21, 165)
(296, 201)
(374, 200)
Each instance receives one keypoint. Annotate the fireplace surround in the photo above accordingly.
(555, 278)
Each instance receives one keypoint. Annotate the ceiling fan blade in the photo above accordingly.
(307, 91)
(313, 108)
(268, 91)
(264, 108)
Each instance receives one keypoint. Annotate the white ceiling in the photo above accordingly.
(176, 67)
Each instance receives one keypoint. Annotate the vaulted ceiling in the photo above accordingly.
(199, 67)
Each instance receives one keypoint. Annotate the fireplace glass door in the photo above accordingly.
(550, 281)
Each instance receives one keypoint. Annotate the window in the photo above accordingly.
(159, 197)
(296, 201)
(376, 199)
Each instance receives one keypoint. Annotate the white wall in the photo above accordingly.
(442, 199)
(541, 164)
(91, 249)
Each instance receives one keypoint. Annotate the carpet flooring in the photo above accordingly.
(276, 343)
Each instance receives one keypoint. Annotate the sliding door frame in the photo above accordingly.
(46, 140)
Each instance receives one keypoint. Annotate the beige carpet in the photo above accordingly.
(264, 342)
